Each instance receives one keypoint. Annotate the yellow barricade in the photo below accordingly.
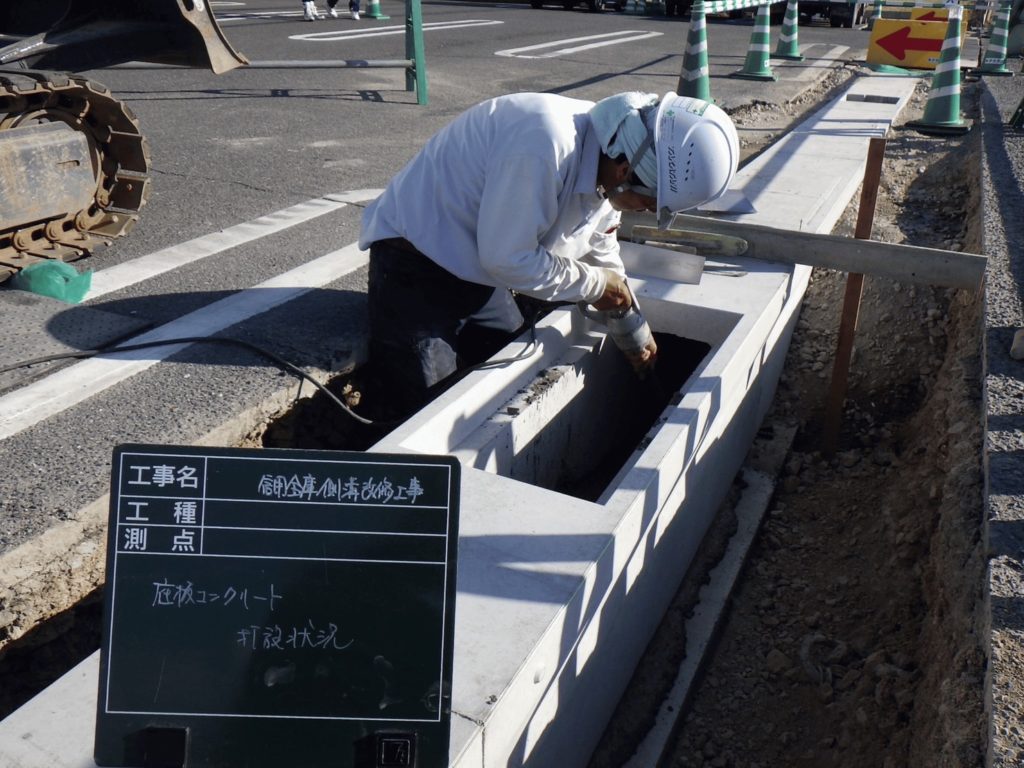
(905, 43)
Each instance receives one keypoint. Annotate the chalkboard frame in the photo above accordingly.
(348, 609)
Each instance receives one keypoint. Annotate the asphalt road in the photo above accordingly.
(250, 143)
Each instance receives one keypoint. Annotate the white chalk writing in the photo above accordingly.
(277, 638)
(310, 488)
(167, 594)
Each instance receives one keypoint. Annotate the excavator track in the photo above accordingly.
(120, 157)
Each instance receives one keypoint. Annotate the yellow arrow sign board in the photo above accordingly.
(909, 44)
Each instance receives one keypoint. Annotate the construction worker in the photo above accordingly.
(524, 193)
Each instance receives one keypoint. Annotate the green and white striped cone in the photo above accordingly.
(693, 78)
(373, 11)
(789, 47)
(994, 60)
(876, 13)
(756, 66)
(942, 110)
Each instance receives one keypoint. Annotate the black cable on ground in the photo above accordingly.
(279, 361)
(276, 359)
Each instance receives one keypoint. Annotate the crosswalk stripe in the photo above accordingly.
(115, 278)
(606, 39)
(352, 34)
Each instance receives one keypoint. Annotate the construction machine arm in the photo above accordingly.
(78, 35)
(74, 165)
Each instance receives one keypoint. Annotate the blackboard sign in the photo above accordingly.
(277, 608)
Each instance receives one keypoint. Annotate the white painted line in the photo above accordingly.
(121, 276)
(353, 34)
(811, 68)
(619, 37)
(69, 386)
(230, 16)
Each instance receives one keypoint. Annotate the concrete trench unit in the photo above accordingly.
(564, 574)
(558, 595)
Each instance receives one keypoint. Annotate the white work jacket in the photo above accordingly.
(506, 195)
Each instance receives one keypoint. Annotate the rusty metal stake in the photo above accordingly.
(851, 303)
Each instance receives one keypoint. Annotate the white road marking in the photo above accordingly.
(69, 386)
(811, 67)
(229, 16)
(609, 38)
(352, 34)
(122, 275)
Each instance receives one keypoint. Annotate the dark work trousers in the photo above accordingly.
(426, 323)
(353, 5)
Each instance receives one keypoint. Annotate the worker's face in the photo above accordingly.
(626, 192)
(631, 200)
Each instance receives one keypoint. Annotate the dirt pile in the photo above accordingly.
(855, 638)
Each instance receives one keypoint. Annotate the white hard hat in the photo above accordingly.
(697, 150)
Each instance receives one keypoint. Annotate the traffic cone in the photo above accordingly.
(788, 47)
(994, 60)
(373, 11)
(756, 66)
(876, 14)
(942, 110)
(693, 78)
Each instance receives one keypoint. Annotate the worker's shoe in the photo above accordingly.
(333, 13)
(308, 11)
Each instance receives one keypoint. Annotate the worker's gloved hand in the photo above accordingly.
(616, 293)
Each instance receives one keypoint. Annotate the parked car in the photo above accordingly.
(838, 13)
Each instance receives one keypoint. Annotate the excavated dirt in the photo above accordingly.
(855, 637)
